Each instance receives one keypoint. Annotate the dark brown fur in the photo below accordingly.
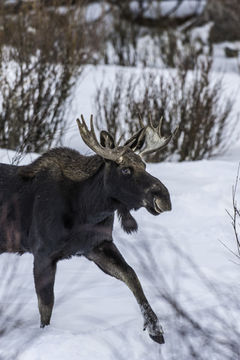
(63, 161)
(63, 204)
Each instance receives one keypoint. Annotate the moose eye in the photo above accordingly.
(126, 171)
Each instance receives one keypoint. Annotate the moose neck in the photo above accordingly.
(93, 199)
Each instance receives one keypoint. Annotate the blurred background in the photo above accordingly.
(176, 59)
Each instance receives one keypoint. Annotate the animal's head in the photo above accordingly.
(125, 177)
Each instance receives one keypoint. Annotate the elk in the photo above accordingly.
(63, 204)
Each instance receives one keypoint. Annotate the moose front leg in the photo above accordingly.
(44, 277)
(109, 259)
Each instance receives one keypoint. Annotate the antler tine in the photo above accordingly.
(175, 132)
(159, 128)
(83, 127)
(140, 120)
(90, 134)
(92, 129)
(78, 122)
(90, 139)
(119, 140)
(150, 120)
(154, 140)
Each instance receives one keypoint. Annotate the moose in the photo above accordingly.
(63, 204)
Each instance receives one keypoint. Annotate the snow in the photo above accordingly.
(94, 11)
(174, 7)
(95, 316)
(187, 7)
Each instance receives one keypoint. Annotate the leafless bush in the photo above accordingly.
(121, 43)
(41, 54)
(138, 33)
(187, 99)
(128, 45)
(235, 214)
(119, 29)
(180, 47)
(150, 14)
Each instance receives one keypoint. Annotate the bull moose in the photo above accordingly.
(63, 204)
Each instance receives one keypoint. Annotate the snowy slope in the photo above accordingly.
(94, 312)
(95, 316)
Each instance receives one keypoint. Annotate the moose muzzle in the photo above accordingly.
(158, 199)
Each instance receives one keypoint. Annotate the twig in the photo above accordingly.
(235, 217)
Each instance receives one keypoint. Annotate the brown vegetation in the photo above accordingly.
(41, 55)
(186, 99)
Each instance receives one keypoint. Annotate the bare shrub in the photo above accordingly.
(129, 45)
(42, 53)
(141, 33)
(121, 43)
(179, 47)
(187, 99)
(235, 214)
(150, 14)
(109, 106)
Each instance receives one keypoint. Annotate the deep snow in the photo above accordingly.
(96, 316)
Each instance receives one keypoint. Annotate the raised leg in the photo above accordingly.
(110, 260)
(44, 277)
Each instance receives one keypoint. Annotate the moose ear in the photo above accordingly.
(137, 140)
(106, 140)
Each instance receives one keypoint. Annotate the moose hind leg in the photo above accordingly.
(44, 277)
(109, 259)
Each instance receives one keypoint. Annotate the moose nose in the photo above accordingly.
(161, 197)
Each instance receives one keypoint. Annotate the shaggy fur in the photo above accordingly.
(63, 161)
(76, 167)
(63, 204)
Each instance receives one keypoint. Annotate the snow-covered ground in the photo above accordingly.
(96, 316)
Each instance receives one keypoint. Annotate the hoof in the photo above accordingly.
(155, 331)
(158, 338)
(42, 325)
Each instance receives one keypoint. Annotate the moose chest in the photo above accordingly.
(64, 224)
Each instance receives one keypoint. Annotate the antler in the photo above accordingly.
(154, 140)
(90, 139)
